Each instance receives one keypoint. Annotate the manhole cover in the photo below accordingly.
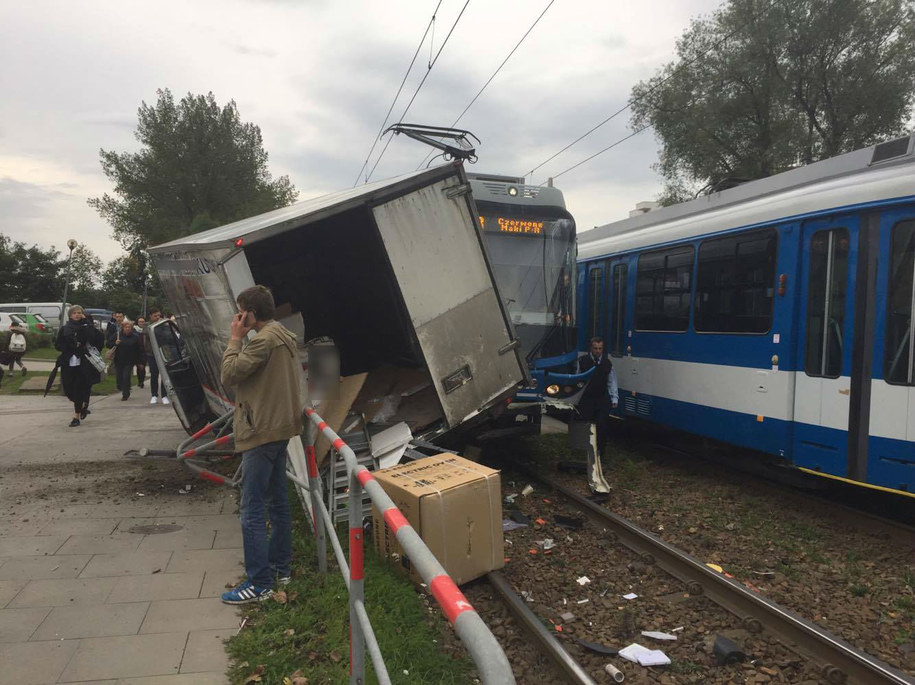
(156, 529)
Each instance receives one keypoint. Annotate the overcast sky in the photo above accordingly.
(318, 76)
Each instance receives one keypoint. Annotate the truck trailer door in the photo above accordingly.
(178, 375)
(436, 252)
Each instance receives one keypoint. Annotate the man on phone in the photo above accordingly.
(268, 412)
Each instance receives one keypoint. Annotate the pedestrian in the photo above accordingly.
(113, 331)
(128, 349)
(268, 412)
(17, 346)
(77, 374)
(156, 385)
(141, 365)
(600, 395)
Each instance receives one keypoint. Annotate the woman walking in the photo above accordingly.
(17, 346)
(77, 374)
(128, 351)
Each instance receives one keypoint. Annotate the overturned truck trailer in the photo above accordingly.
(395, 272)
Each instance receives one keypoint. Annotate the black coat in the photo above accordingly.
(72, 340)
(129, 351)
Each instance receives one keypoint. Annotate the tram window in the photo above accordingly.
(596, 300)
(618, 309)
(735, 283)
(663, 288)
(826, 302)
(898, 362)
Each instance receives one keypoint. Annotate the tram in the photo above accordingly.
(530, 237)
(776, 315)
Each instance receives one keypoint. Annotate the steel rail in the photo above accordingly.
(531, 622)
(840, 661)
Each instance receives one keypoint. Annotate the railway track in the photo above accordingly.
(839, 662)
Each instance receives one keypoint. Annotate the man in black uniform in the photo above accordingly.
(599, 397)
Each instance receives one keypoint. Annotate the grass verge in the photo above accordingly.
(12, 383)
(308, 631)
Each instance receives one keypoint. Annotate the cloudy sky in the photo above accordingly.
(318, 77)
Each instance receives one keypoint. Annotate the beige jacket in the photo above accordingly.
(265, 376)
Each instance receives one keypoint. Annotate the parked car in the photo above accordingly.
(37, 323)
(7, 319)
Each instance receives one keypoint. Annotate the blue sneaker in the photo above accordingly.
(247, 593)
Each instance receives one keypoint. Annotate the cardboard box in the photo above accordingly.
(456, 507)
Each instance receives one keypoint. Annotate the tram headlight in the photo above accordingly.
(512, 190)
(552, 389)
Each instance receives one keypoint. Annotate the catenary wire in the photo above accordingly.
(517, 45)
(612, 145)
(422, 40)
(419, 87)
(632, 101)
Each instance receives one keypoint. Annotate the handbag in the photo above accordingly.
(95, 358)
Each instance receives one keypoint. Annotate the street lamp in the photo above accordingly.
(63, 305)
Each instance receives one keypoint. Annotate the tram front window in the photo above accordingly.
(534, 264)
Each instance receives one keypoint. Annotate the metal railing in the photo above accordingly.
(481, 644)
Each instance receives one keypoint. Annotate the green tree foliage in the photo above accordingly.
(29, 274)
(85, 270)
(766, 85)
(199, 166)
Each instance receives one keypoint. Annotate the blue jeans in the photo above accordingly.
(263, 485)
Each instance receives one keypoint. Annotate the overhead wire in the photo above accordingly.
(430, 25)
(632, 101)
(419, 87)
(489, 80)
(612, 145)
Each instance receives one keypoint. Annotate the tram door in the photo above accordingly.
(596, 290)
(822, 399)
(891, 440)
(616, 339)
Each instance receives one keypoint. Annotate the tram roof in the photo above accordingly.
(868, 175)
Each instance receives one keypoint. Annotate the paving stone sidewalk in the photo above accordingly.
(124, 592)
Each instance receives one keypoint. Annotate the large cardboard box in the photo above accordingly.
(456, 507)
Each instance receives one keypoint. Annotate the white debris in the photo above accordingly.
(655, 635)
(528, 489)
(630, 596)
(643, 656)
(583, 601)
(584, 580)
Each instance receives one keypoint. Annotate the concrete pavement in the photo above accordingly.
(107, 573)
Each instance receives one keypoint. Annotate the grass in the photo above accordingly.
(12, 383)
(45, 353)
(310, 631)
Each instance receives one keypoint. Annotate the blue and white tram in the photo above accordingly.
(777, 315)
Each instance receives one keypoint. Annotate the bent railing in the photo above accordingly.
(481, 644)
(302, 470)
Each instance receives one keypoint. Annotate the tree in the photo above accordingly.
(765, 85)
(200, 166)
(29, 274)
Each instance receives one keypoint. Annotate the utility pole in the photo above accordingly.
(63, 305)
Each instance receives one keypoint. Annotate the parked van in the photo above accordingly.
(49, 310)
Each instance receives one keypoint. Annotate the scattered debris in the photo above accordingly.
(584, 580)
(595, 646)
(528, 596)
(677, 629)
(241, 625)
(655, 635)
(509, 525)
(583, 601)
(569, 522)
(644, 656)
(546, 544)
(141, 494)
(726, 651)
(630, 596)
(715, 567)
(764, 574)
(614, 673)
(567, 617)
(510, 499)
(528, 489)
(518, 517)
(540, 522)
